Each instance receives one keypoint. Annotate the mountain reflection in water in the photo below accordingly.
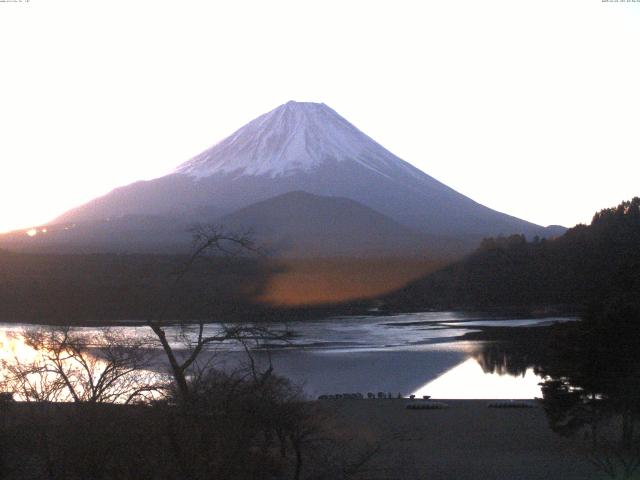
(470, 380)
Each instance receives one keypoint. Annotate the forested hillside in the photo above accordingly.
(581, 268)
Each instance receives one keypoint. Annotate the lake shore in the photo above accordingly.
(467, 440)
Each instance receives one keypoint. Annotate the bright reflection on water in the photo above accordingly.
(35, 373)
(12, 347)
(13, 350)
(468, 380)
(419, 353)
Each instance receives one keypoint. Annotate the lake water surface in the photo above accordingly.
(416, 353)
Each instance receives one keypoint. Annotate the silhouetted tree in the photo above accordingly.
(592, 374)
(208, 241)
(99, 366)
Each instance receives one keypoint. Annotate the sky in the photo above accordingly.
(531, 108)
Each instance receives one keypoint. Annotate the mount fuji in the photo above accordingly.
(300, 147)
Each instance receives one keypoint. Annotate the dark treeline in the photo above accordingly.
(591, 368)
(74, 289)
(591, 378)
(592, 371)
(582, 267)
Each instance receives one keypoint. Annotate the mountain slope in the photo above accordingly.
(296, 147)
(124, 234)
(293, 138)
(299, 224)
(308, 147)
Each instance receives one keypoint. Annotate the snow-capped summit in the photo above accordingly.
(294, 137)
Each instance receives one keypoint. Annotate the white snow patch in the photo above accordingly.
(292, 138)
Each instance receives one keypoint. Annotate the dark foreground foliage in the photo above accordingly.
(233, 427)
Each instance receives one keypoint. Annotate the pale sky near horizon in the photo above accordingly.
(529, 107)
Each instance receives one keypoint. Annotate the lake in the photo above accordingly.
(416, 353)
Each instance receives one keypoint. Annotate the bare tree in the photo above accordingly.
(208, 241)
(31, 381)
(98, 366)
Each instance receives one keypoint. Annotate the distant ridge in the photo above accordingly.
(300, 224)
